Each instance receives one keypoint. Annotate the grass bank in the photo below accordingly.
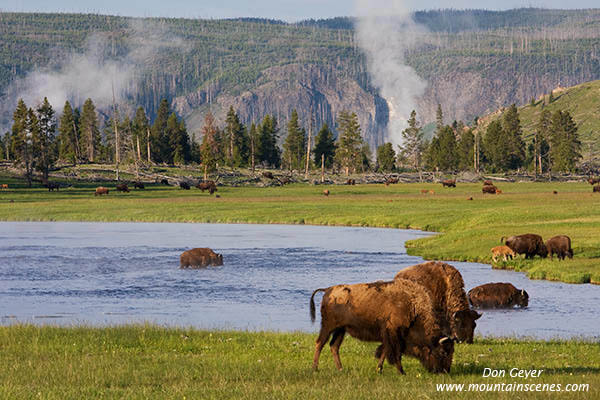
(469, 227)
(142, 362)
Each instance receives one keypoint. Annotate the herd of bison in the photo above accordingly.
(421, 313)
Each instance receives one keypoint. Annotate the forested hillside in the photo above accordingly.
(474, 62)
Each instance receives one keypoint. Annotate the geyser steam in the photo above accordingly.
(385, 31)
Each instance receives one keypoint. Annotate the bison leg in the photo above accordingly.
(336, 342)
(321, 340)
(382, 352)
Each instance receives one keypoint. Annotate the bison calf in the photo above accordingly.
(559, 245)
(326, 192)
(200, 258)
(498, 295)
(100, 191)
(504, 251)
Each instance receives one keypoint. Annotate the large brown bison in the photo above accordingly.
(53, 185)
(559, 245)
(211, 186)
(268, 175)
(122, 187)
(529, 244)
(200, 258)
(449, 183)
(399, 314)
(596, 189)
(184, 185)
(491, 189)
(498, 295)
(446, 287)
(100, 191)
(593, 180)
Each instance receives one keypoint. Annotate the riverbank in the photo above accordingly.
(469, 228)
(141, 362)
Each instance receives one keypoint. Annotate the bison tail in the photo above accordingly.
(502, 239)
(313, 311)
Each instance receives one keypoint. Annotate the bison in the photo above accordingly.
(200, 258)
(399, 314)
(53, 185)
(498, 295)
(491, 189)
(5, 186)
(596, 189)
(184, 185)
(351, 182)
(268, 175)
(592, 181)
(122, 187)
(445, 285)
(326, 192)
(488, 182)
(559, 245)
(164, 181)
(100, 191)
(211, 186)
(449, 183)
(504, 251)
(138, 185)
(391, 181)
(529, 244)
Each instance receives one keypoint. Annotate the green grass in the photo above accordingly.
(469, 228)
(141, 362)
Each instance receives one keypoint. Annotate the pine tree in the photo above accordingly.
(140, 128)
(268, 135)
(541, 139)
(439, 118)
(159, 139)
(496, 150)
(210, 150)
(254, 143)
(24, 129)
(441, 153)
(348, 154)
(236, 140)
(179, 141)
(90, 133)
(465, 149)
(386, 158)
(412, 141)
(294, 147)
(565, 145)
(514, 146)
(67, 138)
(324, 146)
(47, 129)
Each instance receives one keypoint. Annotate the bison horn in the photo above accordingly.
(522, 292)
(444, 339)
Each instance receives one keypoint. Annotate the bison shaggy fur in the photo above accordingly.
(491, 189)
(211, 186)
(399, 314)
(529, 244)
(446, 288)
(449, 183)
(559, 245)
(200, 258)
(498, 295)
(122, 187)
(596, 189)
(100, 191)
(184, 185)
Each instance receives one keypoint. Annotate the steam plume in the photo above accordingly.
(385, 31)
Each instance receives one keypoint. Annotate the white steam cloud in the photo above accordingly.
(94, 73)
(385, 31)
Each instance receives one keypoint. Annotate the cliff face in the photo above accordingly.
(308, 88)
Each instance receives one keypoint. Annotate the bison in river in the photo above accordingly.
(200, 258)
(446, 287)
(529, 244)
(399, 314)
(559, 245)
(100, 191)
(498, 295)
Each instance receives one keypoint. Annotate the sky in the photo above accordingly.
(288, 10)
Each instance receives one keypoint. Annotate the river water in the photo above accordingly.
(115, 273)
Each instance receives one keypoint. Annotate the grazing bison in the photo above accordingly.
(326, 192)
(268, 175)
(559, 245)
(529, 244)
(596, 189)
(491, 189)
(200, 258)
(5, 186)
(122, 187)
(446, 287)
(139, 185)
(211, 186)
(351, 182)
(100, 191)
(487, 182)
(399, 314)
(184, 185)
(498, 295)
(504, 251)
(53, 185)
(449, 183)
(593, 181)
(164, 181)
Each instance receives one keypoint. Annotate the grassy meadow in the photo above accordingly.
(142, 362)
(469, 227)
